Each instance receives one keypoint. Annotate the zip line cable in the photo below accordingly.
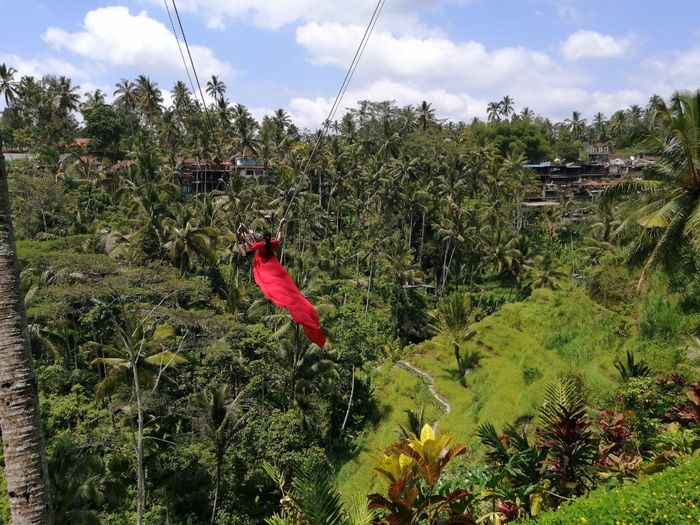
(182, 55)
(196, 77)
(334, 108)
(338, 99)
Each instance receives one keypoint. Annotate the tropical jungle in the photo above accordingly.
(511, 307)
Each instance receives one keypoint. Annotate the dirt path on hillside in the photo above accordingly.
(428, 379)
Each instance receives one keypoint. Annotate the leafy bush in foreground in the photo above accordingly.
(669, 497)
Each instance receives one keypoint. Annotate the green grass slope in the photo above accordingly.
(396, 390)
(672, 497)
(529, 343)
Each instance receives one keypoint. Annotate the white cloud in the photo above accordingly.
(429, 61)
(680, 70)
(45, 65)
(568, 11)
(591, 44)
(260, 112)
(459, 78)
(113, 36)
(273, 14)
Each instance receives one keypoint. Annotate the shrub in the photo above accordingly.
(531, 374)
(561, 337)
(668, 497)
(659, 319)
(611, 286)
(565, 434)
(650, 401)
(631, 368)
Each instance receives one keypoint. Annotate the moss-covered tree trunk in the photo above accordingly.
(20, 419)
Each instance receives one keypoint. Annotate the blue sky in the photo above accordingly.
(553, 56)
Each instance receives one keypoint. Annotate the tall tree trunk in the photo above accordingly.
(20, 419)
(444, 269)
(140, 474)
(217, 484)
(369, 287)
(458, 357)
(422, 238)
(352, 393)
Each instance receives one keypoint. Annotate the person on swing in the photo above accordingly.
(277, 285)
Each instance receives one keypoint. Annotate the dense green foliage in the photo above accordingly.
(170, 388)
(668, 497)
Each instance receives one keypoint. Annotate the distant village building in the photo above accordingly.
(199, 177)
(585, 180)
(249, 167)
(561, 174)
(80, 142)
(598, 152)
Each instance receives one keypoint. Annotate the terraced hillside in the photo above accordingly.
(524, 345)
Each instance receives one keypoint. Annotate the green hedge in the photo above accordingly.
(671, 497)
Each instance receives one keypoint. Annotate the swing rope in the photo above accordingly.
(336, 104)
(194, 71)
(179, 47)
(331, 114)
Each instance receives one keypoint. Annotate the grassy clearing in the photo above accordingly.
(669, 497)
(529, 344)
(396, 391)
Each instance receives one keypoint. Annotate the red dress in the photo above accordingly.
(276, 284)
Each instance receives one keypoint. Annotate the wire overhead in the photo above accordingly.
(338, 98)
(336, 103)
(196, 76)
(179, 47)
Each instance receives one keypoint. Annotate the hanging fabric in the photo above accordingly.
(276, 284)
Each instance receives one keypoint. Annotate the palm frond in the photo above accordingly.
(629, 187)
(165, 358)
(665, 215)
(316, 495)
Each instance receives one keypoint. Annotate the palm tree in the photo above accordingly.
(635, 114)
(669, 216)
(655, 103)
(126, 95)
(20, 419)
(527, 114)
(282, 118)
(181, 96)
(494, 111)
(281, 121)
(139, 357)
(244, 126)
(618, 123)
(599, 126)
(313, 497)
(548, 273)
(8, 86)
(188, 241)
(93, 99)
(149, 97)
(506, 106)
(223, 417)
(426, 115)
(78, 482)
(216, 88)
(223, 110)
(66, 99)
(454, 316)
(576, 125)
